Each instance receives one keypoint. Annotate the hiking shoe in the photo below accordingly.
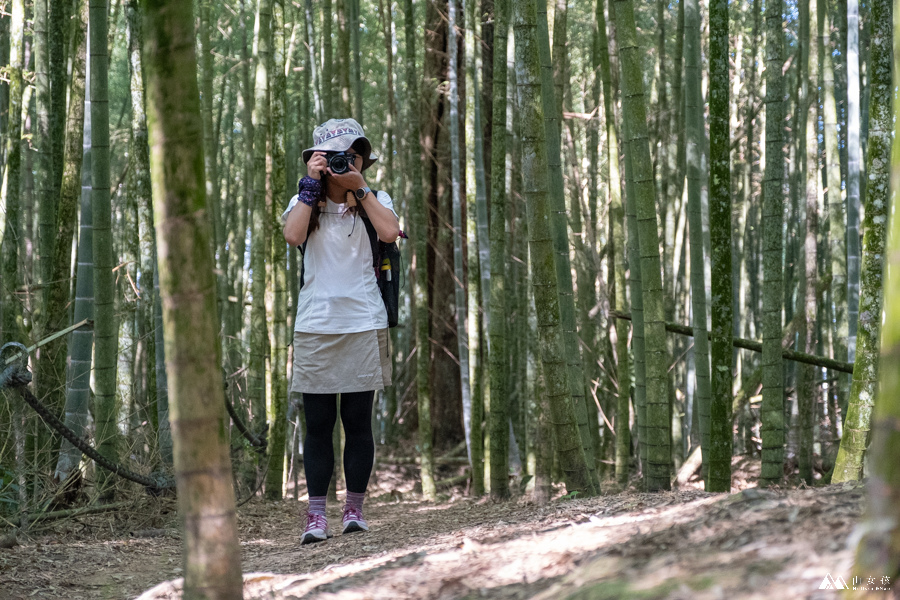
(316, 529)
(353, 520)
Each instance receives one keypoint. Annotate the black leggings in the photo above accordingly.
(359, 449)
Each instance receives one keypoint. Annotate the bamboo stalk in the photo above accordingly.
(800, 357)
(47, 340)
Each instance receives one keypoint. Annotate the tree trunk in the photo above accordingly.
(75, 186)
(696, 141)
(479, 253)
(772, 412)
(865, 370)
(559, 230)
(420, 243)
(356, 79)
(810, 174)
(261, 220)
(210, 149)
(280, 336)
(617, 235)
(720, 427)
(837, 218)
(877, 550)
(854, 165)
(498, 350)
(316, 83)
(10, 190)
(105, 324)
(567, 441)
(202, 466)
(139, 186)
(659, 451)
(460, 277)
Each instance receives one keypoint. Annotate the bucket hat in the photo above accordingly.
(338, 135)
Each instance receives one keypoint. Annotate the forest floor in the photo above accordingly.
(684, 544)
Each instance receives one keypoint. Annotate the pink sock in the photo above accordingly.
(355, 500)
(317, 505)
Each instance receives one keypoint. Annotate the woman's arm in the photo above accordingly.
(297, 223)
(383, 219)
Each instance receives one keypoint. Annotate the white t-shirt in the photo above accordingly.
(339, 293)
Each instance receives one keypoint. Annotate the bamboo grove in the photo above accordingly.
(645, 239)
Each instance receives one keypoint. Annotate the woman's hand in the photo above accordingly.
(317, 165)
(351, 180)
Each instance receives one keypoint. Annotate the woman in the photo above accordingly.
(340, 334)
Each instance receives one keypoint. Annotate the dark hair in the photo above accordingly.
(317, 210)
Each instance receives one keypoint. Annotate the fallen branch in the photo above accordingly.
(801, 357)
(76, 512)
(453, 480)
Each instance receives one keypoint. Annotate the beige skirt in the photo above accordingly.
(344, 362)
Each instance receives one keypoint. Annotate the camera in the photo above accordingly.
(339, 162)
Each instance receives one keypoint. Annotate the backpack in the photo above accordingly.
(386, 261)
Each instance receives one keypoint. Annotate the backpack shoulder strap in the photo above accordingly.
(373, 239)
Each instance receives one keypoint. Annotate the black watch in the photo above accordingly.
(362, 192)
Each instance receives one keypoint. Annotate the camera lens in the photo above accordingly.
(339, 164)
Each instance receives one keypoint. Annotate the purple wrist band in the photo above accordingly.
(309, 190)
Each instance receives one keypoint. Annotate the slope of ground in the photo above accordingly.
(675, 545)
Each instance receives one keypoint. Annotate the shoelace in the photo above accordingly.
(353, 514)
(314, 521)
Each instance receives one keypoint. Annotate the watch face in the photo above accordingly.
(361, 193)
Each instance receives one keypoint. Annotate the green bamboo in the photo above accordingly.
(202, 466)
(10, 308)
(106, 326)
(328, 100)
(138, 186)
(837, 217)
(58, 32)
(277, 405)
(849, 463)
(877, 553)
(43, 175)
(260, 218)
(559, 230)
(210, 148)
(720, 427)
(462, 317)
(658, 421)
(355, 77)
(617, 226)
(567, 440)
(479, 252)
(696, 140)
(772, 412)
(58, 287)
(75, 187)
(419, 228)
(854, 165)
(314, 70)
(808, 150)
(498, 326)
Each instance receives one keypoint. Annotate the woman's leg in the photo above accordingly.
(318, 452)
(359, 450)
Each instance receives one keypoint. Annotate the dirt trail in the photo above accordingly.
(678, 545)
